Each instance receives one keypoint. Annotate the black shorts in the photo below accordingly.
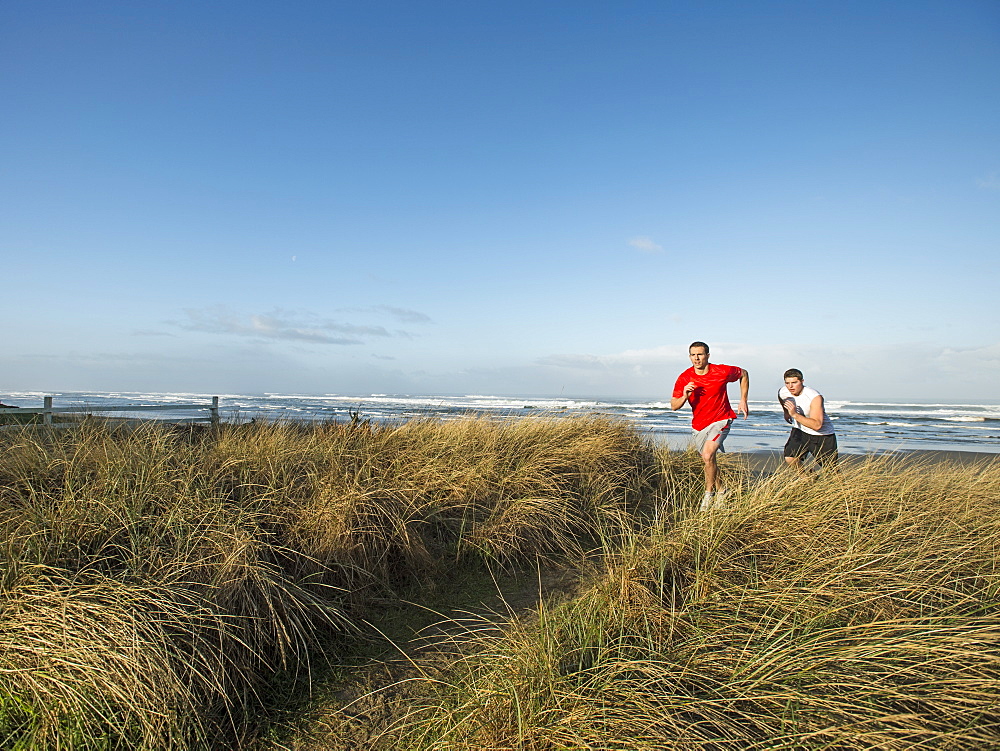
(822, 447)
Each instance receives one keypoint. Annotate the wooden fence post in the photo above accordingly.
(47, 413)
(215, 411)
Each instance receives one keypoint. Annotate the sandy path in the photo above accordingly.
(355, 713)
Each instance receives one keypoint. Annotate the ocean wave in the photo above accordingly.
(857, 423)
(923, 417)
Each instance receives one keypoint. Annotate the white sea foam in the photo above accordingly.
(12, 395)
(860, 425)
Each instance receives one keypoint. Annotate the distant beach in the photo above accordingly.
(763, 462)
(862, 427)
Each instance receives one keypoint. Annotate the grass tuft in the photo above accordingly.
(154, 581)
(856, 611)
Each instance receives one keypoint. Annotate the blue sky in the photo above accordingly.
(509, 198)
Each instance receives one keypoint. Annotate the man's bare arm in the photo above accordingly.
(676, 402)
(816, 413)
(744, 393)
(786, 410)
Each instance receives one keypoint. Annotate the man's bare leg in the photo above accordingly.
(708, 454)
(795, 463)
(713, 488)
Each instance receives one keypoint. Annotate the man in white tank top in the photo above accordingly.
(812, 431)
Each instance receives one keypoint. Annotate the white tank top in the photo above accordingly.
(802, 403)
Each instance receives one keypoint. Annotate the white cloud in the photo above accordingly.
(990, 182)
(278, 324)
(966, 361)
(403, 315)
(147, 332)
(917, 371)
(645, 244)
(628, 358)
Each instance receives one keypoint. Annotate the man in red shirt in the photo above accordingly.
(703, 386)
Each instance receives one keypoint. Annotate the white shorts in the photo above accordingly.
(717, 431)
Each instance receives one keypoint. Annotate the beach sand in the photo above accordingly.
(765, 462)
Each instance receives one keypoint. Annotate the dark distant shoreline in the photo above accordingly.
(769, 461)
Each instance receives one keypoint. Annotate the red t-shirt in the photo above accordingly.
(709, 401)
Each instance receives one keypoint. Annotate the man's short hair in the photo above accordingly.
(692, 345)
(793, 373)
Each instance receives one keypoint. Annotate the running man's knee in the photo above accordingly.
(709, 452)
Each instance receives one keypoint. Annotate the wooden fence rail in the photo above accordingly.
(48, 410)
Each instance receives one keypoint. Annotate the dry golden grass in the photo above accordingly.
(151, 580)
(857, 611)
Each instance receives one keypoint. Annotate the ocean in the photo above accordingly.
(862, 427)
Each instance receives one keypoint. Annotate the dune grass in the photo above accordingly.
(859, 610)
(152, 580)
(156, 583)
